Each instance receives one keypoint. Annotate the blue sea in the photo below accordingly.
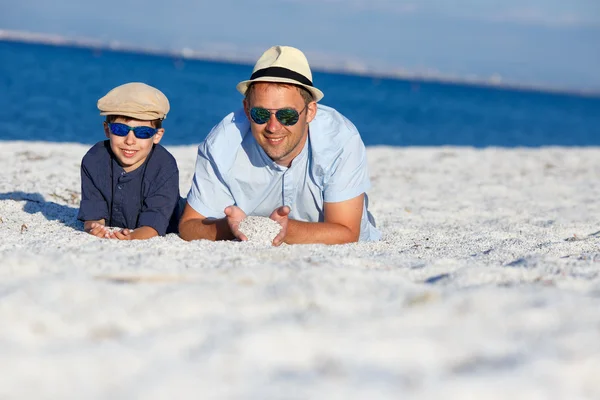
(49, 93)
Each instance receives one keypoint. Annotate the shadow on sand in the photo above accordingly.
(35, 203)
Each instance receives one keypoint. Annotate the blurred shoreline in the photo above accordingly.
(494, 81)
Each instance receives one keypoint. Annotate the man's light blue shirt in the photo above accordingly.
(232, 169)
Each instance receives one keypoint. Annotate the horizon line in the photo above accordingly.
(493, 82)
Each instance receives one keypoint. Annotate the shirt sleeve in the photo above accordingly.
(209, 194)
(349, 174)
(93, 205)
(160, 204)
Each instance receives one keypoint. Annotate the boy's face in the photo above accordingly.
(130, 151)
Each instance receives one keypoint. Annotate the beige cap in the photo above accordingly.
(136, 100)
(282, 64)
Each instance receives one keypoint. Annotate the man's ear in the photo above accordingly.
(246, 108)
(158, 135)
(106, 130)
(311, 111)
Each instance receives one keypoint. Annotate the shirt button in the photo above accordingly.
(119, 187)
(123, 173)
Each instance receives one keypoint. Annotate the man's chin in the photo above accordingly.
(276, 156)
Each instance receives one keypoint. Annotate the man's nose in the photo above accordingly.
(273, 124)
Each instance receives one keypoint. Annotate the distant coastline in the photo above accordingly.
(494, 81)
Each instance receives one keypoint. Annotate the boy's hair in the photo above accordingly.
(156, 123)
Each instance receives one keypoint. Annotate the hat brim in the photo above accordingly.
(131, 114)
(242, 87)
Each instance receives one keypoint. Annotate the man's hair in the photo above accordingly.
(306, 95)
(157, 123)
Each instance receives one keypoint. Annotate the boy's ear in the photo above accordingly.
(158, 135)
(106, 130)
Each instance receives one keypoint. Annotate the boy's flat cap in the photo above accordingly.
(136, 100)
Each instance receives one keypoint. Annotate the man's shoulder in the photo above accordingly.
(225, 139)
(330, 133)
(229, 132)
(330, 126)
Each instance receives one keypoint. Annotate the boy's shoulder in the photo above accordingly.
(97, 153)
(162, 157)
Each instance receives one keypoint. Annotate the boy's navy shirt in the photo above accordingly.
(146, 196)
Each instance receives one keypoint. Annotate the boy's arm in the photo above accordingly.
(93, 208)
(158, 210)
(144, 232)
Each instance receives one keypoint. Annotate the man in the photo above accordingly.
(282, 157)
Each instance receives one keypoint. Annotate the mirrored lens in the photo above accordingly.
(119, 129)
(143, 132)
(260, 115)
(287, 116)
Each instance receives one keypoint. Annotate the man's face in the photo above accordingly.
(281, 143)
(130, 151)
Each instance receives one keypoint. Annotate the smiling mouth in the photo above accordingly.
(275, 140)
(129, 153)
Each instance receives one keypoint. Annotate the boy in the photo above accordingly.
(130, 181)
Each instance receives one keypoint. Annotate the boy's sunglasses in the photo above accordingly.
(286, 116)
(140, 132)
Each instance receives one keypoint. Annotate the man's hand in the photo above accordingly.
(234, 216)
(280, 215)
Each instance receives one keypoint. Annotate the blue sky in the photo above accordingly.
(548, 42)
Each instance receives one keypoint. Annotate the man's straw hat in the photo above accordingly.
(282, 64)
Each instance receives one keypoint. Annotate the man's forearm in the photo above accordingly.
(299, 232)
(210, 229)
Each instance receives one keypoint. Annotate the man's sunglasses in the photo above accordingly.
(286, 116)
(140, 132)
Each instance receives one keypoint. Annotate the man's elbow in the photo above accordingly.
(186, 231)
(351, 236)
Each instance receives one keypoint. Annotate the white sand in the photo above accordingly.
(259, 229)
(486, 285)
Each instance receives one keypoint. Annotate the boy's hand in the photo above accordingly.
(123, 234)
(97, 229)
(234, 216)
(280, 215)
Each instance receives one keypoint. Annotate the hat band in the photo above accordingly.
(280, 72)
